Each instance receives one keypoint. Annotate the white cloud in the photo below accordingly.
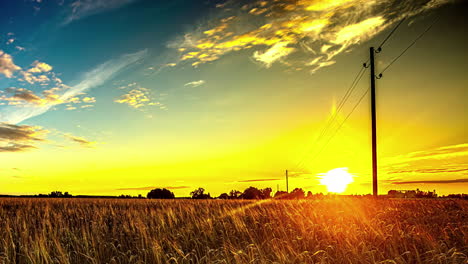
(39, 67)
(32, 79)
(278, 51)
(7, 66)
(195, 83)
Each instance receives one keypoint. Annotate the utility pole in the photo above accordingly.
(374, 125)
(287, 183)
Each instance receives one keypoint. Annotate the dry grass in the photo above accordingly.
(186, 231)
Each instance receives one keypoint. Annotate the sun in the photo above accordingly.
(336, 180)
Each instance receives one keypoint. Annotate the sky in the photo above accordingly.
(122, 96)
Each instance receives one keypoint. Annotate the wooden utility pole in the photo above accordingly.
(287, 183)
(374, 125)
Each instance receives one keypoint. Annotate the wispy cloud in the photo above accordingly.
(430, 170)
(445, 152)
(94, 78)
(427, 166)
(259, 180)
(301, 34)
(434, 181)
(195, 83)
(84, 8)
(15, 147)
(104, 72)
(80, 140)
(147, 188)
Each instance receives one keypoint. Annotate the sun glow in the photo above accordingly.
(337, 180)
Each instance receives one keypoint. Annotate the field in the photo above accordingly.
(346, 230)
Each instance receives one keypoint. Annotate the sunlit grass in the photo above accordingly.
(213, 231)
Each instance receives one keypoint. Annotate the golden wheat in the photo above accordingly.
(345, 230)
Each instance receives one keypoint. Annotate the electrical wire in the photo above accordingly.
(330, 121)
(355, 82)
(341, 125)
(410, 45)
(391, 33)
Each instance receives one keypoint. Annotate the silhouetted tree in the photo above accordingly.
(160, 194)
(266, 193)
(255, 193)
(457, 196)
(200, 194)
(281, 195)
(56, 194)
(234, 194)
(224, 196)
(251, 193)
(309, 195)
(297, 193)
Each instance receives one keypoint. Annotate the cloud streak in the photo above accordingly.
(148, 188)
(195, 83)
(80, 140)
(259, 180)
(430, 170)
(440, 153)
(433, 182)
(84, 8)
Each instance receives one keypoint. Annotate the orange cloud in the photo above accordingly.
(17, 138)
(318, 30)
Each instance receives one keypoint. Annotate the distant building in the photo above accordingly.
(411, 194)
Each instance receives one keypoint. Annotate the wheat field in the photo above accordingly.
(339, 230)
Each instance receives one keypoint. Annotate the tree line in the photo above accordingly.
(251, 193)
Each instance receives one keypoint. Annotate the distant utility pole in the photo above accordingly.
(374, 125)
(287, 183)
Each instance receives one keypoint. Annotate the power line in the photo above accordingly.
(341, 124)
(391, 33)
(410, 45)
(341, 104)
(351, 89)
(330, 121)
